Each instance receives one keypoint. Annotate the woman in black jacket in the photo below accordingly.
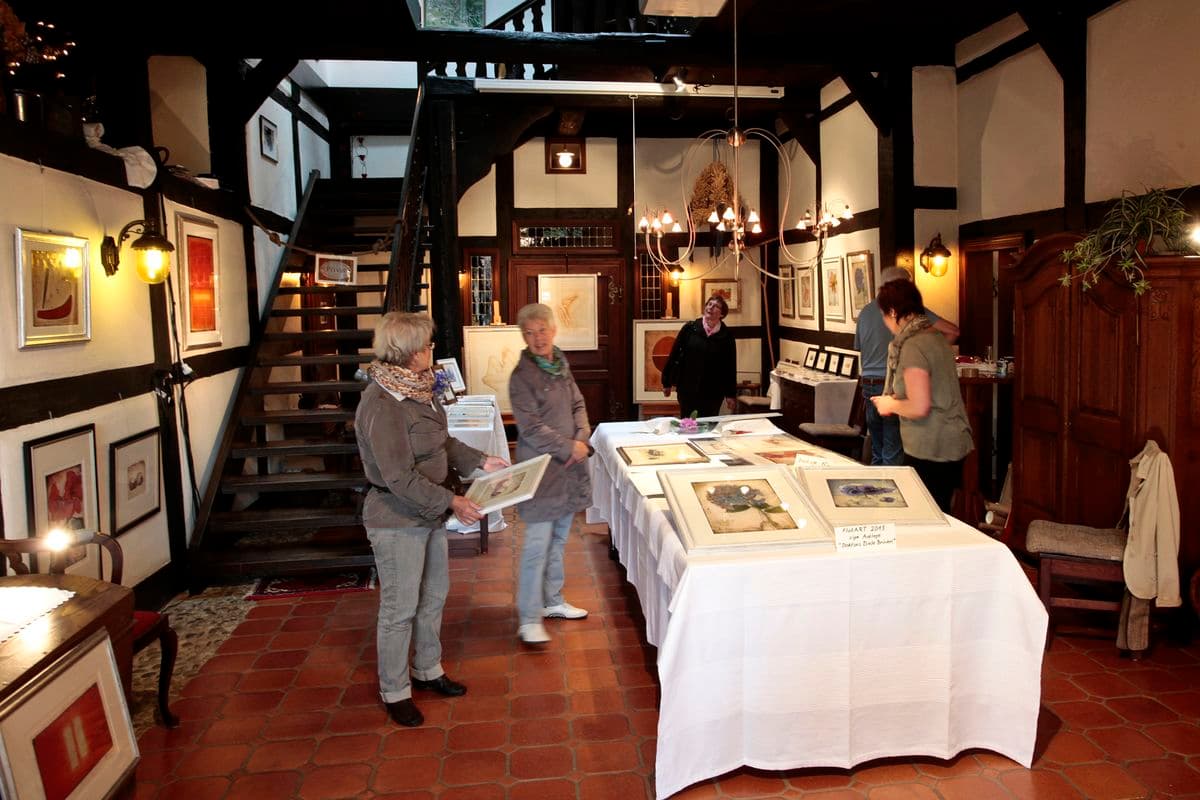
(703, 363)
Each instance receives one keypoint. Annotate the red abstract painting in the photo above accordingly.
(72, 744)
(202, 298)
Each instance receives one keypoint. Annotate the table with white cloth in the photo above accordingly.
(808, 395)
(489, 439)
(781, 659)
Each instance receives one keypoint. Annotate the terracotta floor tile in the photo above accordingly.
(600, 726)
(1178, 737)
(1072, 748)
(611, 787)
(593, 757)
(298, 624)
(543, 790)
(1168, 775)
(489, 791)
(538, 705)
(263, 680)
(291, 726)
(360, 694)
(1104, 684)
(322, 783)
(752, 783)
(348, 749)
(406, 774)
(1028, 784)
(541, 762)
(971, 787)
(1086, 714)
(1186, 704)
(263, 785)
(540, 682)
(477, 766)
(477, 736)
(1142, 710)
(1124, 744)
(272, 756)
(195, 789)
(1105, 782)
(217, 760)
(904, 791)
(527, 732)
(401, 742)
(961, 766)
(1057, 690)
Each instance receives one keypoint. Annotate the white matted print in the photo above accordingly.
(862, 495)
(60, 482)
(727, 288)
(860, 269)
(330, 269)
(456, 377)
(740, 508)
(833, 290)
(199, 250)
(508, 486)
(652, 343)
(787, 292)
(53, 289)
(806, 293)
(491, 353)
(572, 298)
(133, 476)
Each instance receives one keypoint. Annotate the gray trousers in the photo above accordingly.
(414, 578)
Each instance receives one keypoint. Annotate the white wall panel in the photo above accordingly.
(849, 161)
(477, 208)
(533, 188)
(935, 126)
(272, 184)
(179, 110)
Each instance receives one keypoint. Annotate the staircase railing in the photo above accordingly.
(404, 271)
(514, 20)
(229, 426)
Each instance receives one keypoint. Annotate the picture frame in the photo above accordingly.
(806, 293)
(662, 454)
(860, 280)
(198, 247)
(739, 508)
(508, 486)
(455, 372)
(572, 298)
(822, 361)
(332, 269)
(810, 358)
(834, 364)
(849, 368)
(447, 395)
(135, 480)
(490, 353)
(728, 288)
(652, 343)
(61, 486)
(833, 291)
(268, 139)
(862, 495)
(54, 289)
(68, 733)
(787, 292)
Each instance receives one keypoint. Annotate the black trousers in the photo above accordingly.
(698, 402)
(941, 478)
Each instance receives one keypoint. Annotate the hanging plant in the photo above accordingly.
(1130, 231)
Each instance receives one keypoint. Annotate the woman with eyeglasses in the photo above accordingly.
(412, 463)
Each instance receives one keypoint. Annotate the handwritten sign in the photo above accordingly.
(857, 538)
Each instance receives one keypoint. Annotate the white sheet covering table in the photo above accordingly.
(800, 658)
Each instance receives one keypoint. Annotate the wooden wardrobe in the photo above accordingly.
(1097, 374)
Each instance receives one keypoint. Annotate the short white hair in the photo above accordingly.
(535, 312)
(400, 335)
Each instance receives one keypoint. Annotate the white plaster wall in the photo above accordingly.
(939, 294)
(366, 74)
(48, 200)
(849, 161)
(208, 401)
(477, 208)
(660, 163)
(145, 546)
(1143, 98)
(533, 188)
(266, 262)
(314, 153)
(272, 185)
(309, 105)
(837, 247)
(179, 110)
(800, 192)
(988, 39)
(833, 91)
(935, 126)
(387, 156)
(1010, 139)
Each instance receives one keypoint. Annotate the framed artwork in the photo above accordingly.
(833, 293)
(508, 486)
(861, 282)
(67, 733)
(198, 247)
(728, 288)
(268, 139)
(835, 363)
(134, 480)
(573, 300)
(859, 495)
(806, 293)
(335, 270)
(441, 379)
(822, 361)
(662, 454)
(491, 354)
(54, 289)
(60, 481)
(787, 292)
(810, 358)
(652, 343)
(455, 374)
(740, 508)
(849, 368)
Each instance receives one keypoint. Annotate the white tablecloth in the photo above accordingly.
(788, 659)
(832, 394)
(490, 440)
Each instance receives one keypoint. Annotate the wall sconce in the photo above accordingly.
(565, 155)
(676, 273)
(936, 257)
(151, 252)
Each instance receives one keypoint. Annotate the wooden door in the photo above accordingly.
(986, 294)
(602, 374)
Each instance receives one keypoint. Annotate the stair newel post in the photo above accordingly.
(446, 254)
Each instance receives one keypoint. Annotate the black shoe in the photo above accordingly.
(442, 685)
(405, 712)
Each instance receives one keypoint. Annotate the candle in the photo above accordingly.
(496, 313)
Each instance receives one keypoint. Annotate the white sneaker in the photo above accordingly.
(564, 611)
(533, 633)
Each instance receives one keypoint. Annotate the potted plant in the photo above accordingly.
(1133, 228)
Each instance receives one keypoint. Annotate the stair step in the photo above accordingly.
(319, 312)
(293, 447)
(358, 287)
(297, 416)
(308, 387)
(293, 482)
(348, 335)
(309, 361)
(294, 560)
(282, 519)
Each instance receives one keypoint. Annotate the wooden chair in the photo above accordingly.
(849, 439)
(148, 626)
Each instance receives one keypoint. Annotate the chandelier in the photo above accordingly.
(728, 218)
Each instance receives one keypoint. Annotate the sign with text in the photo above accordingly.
(857, 538)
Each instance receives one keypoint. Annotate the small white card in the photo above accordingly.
(876, 536)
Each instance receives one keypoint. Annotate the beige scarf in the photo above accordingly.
(402, 382)
(917, 324)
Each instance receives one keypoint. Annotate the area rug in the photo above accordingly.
(359, 580)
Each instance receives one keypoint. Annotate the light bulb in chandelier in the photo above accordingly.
(752, 217)
(676, 228)
(644, 224)
(728, 214)
(846, 213)
(656, 225)
(721, 226)
(667, 219)
(756, 228)
(713, 219)
(805, 223)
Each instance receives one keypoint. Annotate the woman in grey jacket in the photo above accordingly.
(407, 454)
(551, 418)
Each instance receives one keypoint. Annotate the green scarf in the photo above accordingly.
(554, 366)
(917, 324)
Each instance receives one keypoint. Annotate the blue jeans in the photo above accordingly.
(414, 578)
(885, 431)
(542, 567)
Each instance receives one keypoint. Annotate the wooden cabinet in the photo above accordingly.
(1097, 374)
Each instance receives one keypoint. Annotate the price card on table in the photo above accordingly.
(859, 538)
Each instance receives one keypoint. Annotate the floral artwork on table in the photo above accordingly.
(741, 507)
(658, 455)
(861, 493)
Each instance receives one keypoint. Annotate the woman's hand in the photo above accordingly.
(466, 511)
(666, 391)
(732, 403)
(579, 452)
(493, 463)
(885, 404)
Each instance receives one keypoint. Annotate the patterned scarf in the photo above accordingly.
(553, 366)
(917, 324)
(707, 330)
(402, 382)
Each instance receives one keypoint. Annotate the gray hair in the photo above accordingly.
(535, 312)
(889, 274)
(400, 335)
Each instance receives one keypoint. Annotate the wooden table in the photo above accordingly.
(977, 398)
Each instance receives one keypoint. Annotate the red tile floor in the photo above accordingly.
(289, 708)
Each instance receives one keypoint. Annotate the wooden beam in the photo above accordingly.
(259, 82)
(871, 93)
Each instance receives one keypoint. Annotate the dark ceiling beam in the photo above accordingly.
(260, 81)
(871, 94)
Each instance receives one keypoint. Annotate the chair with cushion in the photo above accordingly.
(148, 626)
(847, 438)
